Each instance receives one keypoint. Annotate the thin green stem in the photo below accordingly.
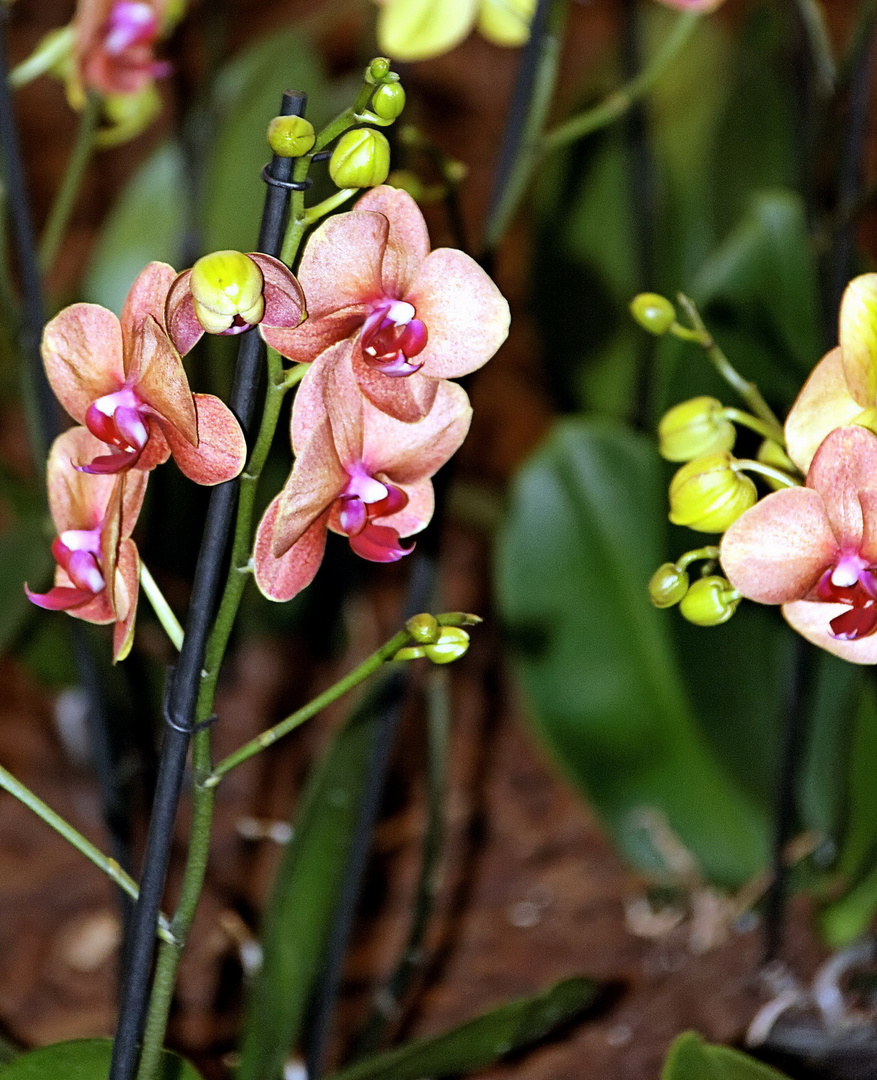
(295, 230)
(319, 210)
(745, 465)
(761, 427)
(709, 552)
(94, 855)
(747, 390)
(62, 208)
(161, 607)
(619, 101)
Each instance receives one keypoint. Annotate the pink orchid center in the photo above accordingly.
(851, 581)
(119, 419)
(363, 502)
(77, 552)
(392, 336)
(131, 22)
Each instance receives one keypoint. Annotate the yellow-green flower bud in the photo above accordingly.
(668, 585)
(693, 428)
(377, 70)
(708, 495)
(388, 100)
(361, 159)
(424, 628)
(771, 453)
(226, 284)
(710, 601)
(410, 652)
(451, 645)
(291, 136)
(653, 312)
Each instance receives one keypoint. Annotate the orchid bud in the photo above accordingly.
(388, 100)
(771, 453)
(710, 601)
(708, 495)
(451, 645)
(424, 628)
(291, 136)
(667, 585)
(226, 285)
(693, 428)
(361, 159)
(410, 652)
(377, 70)
(653, 312)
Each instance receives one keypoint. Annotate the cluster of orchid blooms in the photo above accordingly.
(811, 544)
(382, 322)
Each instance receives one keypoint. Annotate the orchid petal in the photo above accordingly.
(407, 399)
(111, 464)
(417, 512)
(466, 315)
(824, 403)
(777, 550)
(161, 380)
(146, 298)
(221, 450)
(76, 501)
(341, 265)
(858, 338)
(812, 621)
(59, 598)
(313, 337)
(282, 577)
(407, 238)
(284, 297)
(126, 589)
(82, 353)
(379, 544)
(843, 466)
(316, 480)
(183, 325)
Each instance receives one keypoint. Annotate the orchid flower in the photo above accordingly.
(420, 29)
(358, 472)
(96, 577)
(813, 549)
(115, 43)
(228, 292)
(842, 388)
(415, 316)
(125, 381)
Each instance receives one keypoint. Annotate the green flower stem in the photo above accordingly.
(319, 210)
(737, 416)
(43, 58)
(59, 215)
(747, 390)
(744, 465)
(161, 607)
(94, 855)
(297, 226)
(618, 102)
(709, 552)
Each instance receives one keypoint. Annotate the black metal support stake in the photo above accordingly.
(183, 686)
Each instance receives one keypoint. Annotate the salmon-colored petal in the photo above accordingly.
(858, 338)
(407, 239)
(183, 327)
(825, 403)
(868, 501)
(341, 264)
(407, 398)
(316, 480)
(812, 619)
(466, 316)
(127, 585)
(284, 297)
(776, 551)
(76, 500)
(157, 451)
(82, 353)
(109, 541)
(843, 466)
(282, 577)
(417, 513)
(221, 451)
(133, 493)
(161, 379)
(146, 298)
(309, 406)
(305, 343)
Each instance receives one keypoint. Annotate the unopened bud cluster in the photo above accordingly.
(709, 493)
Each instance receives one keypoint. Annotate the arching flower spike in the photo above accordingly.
(228, 292)
(415, 317)
(357, 471)
(125, 381)
(96, 578)
(813, 549)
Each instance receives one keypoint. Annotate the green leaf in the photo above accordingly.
(585, 531)
(84, 1059)
(482, 1041)
(305, 894)
(690, 1058)
(145, 224)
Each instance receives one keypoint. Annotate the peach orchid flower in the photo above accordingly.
(97, 572)
(357, 471)
(114, 46)
(813, 549)
(415, 317)
(125, 381)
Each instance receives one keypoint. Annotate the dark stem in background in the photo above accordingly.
(794, 730)
(642, 191)
(45, 425)
(839, 266)
(184, 682)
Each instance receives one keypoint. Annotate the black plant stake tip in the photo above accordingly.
(184, 681)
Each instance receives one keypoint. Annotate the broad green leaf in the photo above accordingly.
(84, 1059)
(690, 1058)
(246, 96)
(584, 532)
(145, 225)
(305, 894)
(482, 1041)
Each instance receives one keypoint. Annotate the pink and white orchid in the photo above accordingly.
(358, 472)
(125, 381)
(415, 317)
(96, 578)
(813, 549)
(115, 44)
